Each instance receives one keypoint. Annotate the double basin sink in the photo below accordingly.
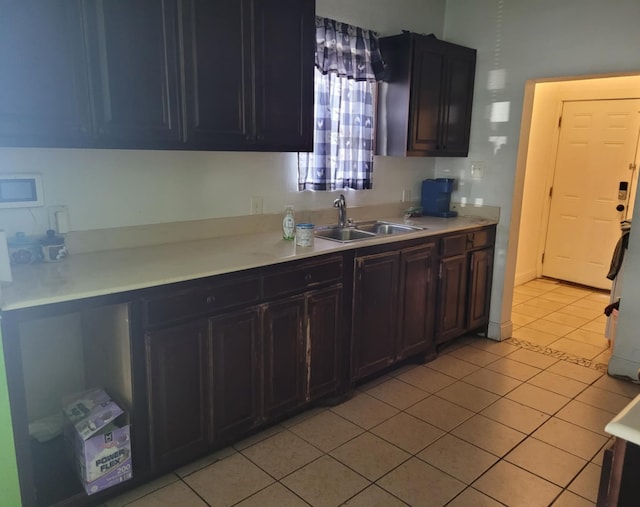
(363, 230)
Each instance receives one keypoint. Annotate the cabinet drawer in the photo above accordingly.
(459, 243)
(453, 245)
(201, 300)
(302, 276)
(479, 239)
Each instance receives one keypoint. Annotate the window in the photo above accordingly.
(348, 64)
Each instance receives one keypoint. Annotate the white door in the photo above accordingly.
(595, 158)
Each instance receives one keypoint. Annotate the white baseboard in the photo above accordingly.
(525, 277)
(500, 331)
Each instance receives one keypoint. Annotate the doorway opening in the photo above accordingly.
(560, 305)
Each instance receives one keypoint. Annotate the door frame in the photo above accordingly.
(506, 327)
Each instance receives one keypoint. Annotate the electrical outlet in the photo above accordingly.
(256, 205)
(59, 219)
(406, 194)
(477, 170)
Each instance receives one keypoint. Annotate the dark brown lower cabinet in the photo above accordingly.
(323, 340)
(179, 387)
(283, 355)
(394, 306)
(215, 359)
(301, 346)
(217, 378)
(480, 274)
(374, 312)
(619, 486)
(416, 307)
(465, 274)
(451, 297)
(235, 356)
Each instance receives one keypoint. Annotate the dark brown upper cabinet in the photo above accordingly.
(284, 53)
(44, 91)
(426, 99)
(248, 74)
(216, 42)
(157, 74)
(134, 76)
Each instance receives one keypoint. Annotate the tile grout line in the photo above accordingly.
(558, 354)
(566, 357)
(530, 435)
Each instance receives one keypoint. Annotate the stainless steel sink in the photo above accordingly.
(379, 227)
(363, 230)
(343, 234)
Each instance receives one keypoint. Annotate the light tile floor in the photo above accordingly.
(487, 423)
(562, 317)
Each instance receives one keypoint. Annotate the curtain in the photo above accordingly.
(348, 62)
(347, 51)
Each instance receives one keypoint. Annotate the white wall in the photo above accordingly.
(518, 40)
(387, 17)
(114, 188)
(540, 165)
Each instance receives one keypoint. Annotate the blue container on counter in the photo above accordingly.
(436, 197)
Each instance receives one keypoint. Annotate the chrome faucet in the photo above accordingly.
(341, 204)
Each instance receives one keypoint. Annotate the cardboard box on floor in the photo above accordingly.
(98, 440)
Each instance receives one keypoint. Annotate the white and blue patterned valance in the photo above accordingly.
(347, 50)
(348, 62)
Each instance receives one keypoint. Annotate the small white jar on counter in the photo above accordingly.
(304, 234)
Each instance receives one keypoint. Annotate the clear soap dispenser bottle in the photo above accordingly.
(288, 223)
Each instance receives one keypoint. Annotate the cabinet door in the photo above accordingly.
(480, 273)
(452, 298)
(283, 355)
(134, 72)
(216, 46)
(236, 373)
(179, 393)
(375, 314)
(44, 94)
(284, 47)
(323, 341)
(416, 307)
(461, 68)
(426, 96)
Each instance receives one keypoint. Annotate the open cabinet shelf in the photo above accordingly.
(54, 355)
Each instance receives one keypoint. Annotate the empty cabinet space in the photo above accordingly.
(51, 358)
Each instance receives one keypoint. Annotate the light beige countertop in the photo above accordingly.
(114, 271)
(626, 424)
